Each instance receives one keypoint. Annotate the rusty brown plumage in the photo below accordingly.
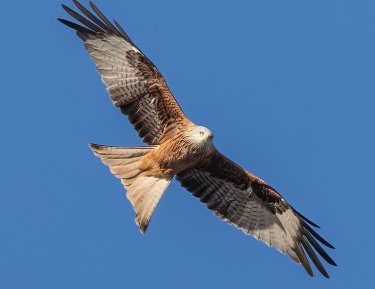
(178, 147)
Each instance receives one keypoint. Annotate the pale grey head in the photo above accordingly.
(203, 137)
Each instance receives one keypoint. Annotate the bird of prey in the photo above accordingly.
(178, 147)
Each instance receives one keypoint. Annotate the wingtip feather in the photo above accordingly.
(302, 257)
(313, 257)
(318, 248)
(75, 26)
(317, 236)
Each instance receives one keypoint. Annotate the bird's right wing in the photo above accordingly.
(245, 201)
(133, 82)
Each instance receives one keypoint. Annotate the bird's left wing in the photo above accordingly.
(247, 202)
(133, 82)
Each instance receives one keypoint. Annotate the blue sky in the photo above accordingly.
(288, 89)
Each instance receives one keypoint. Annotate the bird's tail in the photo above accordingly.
(144, 192)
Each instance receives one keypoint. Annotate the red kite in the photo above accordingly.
(178, 147)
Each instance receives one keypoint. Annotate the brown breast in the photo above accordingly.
(172, 157)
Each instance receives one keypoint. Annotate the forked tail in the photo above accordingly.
(144, 192)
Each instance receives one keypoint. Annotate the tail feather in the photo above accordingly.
(119, 162)
(126, 171)
(122, 161)
(144, 192)
(127, 182)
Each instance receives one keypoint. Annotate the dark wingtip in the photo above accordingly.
(317, 236)
(75, 26)
(94, 145)
(317, 247)
(304, 218)
(313, 257)
(302, 258)
(81, 19)
(103, 18)
(309, 221)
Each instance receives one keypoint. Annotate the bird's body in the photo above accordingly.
(189, 150)
(179, 148)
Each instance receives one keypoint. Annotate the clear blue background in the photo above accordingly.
(286, 86)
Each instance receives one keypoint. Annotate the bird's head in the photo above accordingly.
(203, 136)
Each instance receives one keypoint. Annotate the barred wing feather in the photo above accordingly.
(133, 82)
(255, 208)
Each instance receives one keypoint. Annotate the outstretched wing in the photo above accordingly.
(133, 82)
(247, 202)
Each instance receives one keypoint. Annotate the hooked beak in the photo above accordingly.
(208, 136)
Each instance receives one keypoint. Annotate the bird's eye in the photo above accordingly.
(201, 132)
